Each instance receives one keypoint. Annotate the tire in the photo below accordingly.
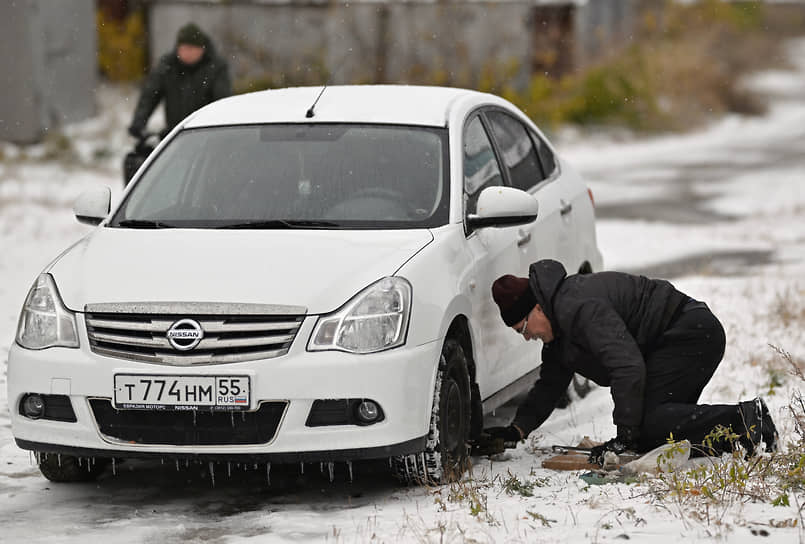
(446, 455)
(67, 469)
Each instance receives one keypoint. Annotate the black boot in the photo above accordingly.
(757, 426)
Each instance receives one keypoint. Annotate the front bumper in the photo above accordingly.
(401, 380)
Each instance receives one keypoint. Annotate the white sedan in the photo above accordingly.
(286, 281)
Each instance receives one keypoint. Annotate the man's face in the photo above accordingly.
(189, 54)
(535, 325)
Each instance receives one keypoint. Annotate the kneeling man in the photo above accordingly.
(654, 346)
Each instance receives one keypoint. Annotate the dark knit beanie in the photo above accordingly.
(514, 298)
(191, 34)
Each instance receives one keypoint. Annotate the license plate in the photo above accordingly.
(169, 392)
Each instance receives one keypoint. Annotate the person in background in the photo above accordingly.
(654, 346)
(188, 78)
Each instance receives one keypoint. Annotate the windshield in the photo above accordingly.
(294, 176)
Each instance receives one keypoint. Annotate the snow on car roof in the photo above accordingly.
(393, 104)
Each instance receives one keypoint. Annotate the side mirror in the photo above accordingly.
(503, 207)
(92, 207)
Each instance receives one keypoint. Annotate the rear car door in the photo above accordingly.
(530, 165)
(575, 208)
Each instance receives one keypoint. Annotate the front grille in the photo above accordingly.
(232, 333)
(182, 428)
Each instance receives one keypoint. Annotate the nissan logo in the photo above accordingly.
(185, 334)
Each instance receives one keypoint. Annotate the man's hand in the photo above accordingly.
(625, 441)
(496, 439)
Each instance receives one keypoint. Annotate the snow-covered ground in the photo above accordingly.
(722, 211)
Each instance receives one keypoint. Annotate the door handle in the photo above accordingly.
(565, 207)
(523, 238)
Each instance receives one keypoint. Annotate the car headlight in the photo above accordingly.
(375, 319)
(44, 321)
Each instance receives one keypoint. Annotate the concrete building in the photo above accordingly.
(455, 42)
(47, 66)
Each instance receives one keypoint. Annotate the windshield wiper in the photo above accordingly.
(280, 224)
(143, 224)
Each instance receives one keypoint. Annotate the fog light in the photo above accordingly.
(33, 406)
(368, 411)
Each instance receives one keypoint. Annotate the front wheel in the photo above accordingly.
(66, 468)
(446, 456)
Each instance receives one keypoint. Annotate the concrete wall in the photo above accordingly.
(449, 42)
(601, 26)
(71, 63)
(47, 66)
(23, 111)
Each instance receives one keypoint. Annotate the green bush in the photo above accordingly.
(684, 65)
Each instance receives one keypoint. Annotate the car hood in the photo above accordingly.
(317, 269)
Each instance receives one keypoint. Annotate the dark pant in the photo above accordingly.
(677, 370)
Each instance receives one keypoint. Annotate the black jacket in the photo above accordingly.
(603, 324)
(184, 88)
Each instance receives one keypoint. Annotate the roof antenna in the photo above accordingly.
(310, 112)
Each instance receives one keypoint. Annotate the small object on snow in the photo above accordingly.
(579, 460)
(603, 477)
(611, 461)
(665, 458)
(568, 461)
(568, 449)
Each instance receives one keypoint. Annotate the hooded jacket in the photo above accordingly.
(185, 88)
(603, 324)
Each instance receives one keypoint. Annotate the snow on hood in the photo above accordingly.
(319, 269)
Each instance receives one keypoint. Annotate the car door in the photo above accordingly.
(575, 207)
(550, 236)
(494, 253)
(547, 237)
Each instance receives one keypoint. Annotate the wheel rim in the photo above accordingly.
(454, 417)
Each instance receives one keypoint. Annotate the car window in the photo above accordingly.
(305, 175)
(481, 168)
(517, 149)
(546, 156)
